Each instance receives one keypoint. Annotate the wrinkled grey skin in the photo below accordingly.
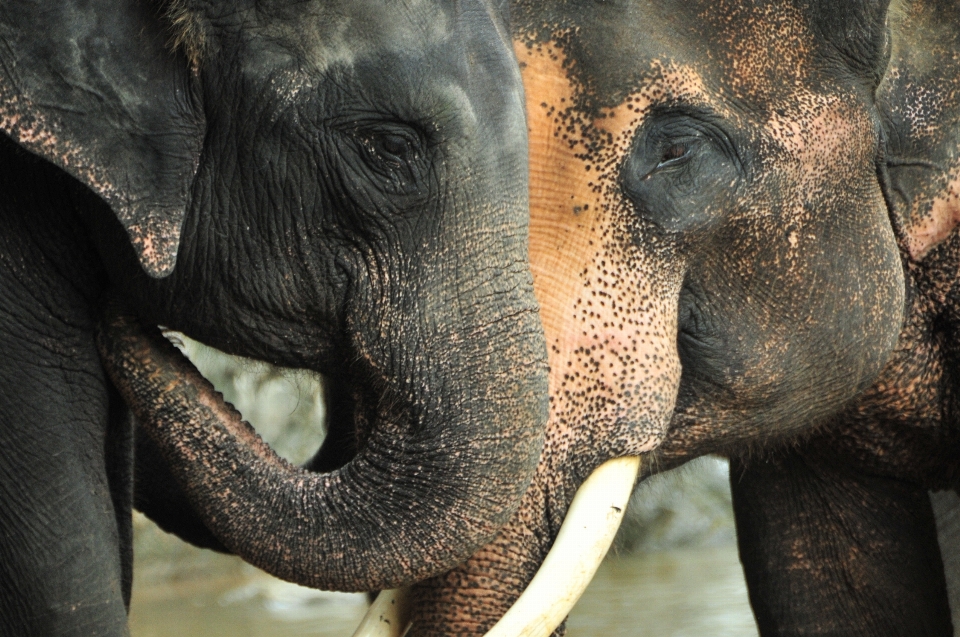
(836, 531)
(339, 186)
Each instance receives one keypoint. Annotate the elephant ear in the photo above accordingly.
(856, 30)
(92, 86)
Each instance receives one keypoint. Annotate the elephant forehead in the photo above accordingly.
(578, 216)
(762, 51)
(366, 28)
(434, 61)
(753, 53)
(322, 34)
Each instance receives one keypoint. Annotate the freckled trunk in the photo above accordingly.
(418, 497)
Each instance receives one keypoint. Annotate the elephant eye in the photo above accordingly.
(679, 168)
(393, 148)
(675, 153)
(394, 156)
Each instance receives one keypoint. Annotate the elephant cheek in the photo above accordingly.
(614, 364)
(608, 302)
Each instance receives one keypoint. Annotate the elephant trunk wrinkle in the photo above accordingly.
(327, 531)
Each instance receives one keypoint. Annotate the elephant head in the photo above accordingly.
(711, 246)
(341, 186)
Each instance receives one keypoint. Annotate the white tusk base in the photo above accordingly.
(584, 539)
(388, 616)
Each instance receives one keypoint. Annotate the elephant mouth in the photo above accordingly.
(348, 423)
(585, 537)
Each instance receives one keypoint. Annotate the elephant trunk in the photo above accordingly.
(415, 500)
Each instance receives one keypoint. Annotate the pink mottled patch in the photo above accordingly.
(930, 230)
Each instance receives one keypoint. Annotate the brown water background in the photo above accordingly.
(686, 592)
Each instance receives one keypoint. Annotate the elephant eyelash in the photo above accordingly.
(671, 125)
(676, 153)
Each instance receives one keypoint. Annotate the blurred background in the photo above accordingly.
(673, 570)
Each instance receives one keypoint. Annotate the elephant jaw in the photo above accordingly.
(585, 537)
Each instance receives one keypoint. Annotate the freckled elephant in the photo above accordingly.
(711, 246)
(712, 251)
(837, 534)
(338, 186)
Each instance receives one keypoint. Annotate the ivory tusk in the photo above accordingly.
(388, 616)
(584, 539)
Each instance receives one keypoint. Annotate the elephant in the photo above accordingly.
(713, 253)
(837, 534)
(333, 185)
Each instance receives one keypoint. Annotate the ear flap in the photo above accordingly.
(857, 30)
(92, 86)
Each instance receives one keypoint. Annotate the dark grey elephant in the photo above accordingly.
(712, 250)
(332, 185)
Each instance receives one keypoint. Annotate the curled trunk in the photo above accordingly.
(412, 503)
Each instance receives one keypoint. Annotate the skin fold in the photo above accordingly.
(836, 533)
(335, 186)
(711, 245)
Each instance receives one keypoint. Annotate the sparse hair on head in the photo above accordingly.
(188, 33)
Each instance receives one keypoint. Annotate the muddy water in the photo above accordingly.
(680, 593)
(695, 592)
